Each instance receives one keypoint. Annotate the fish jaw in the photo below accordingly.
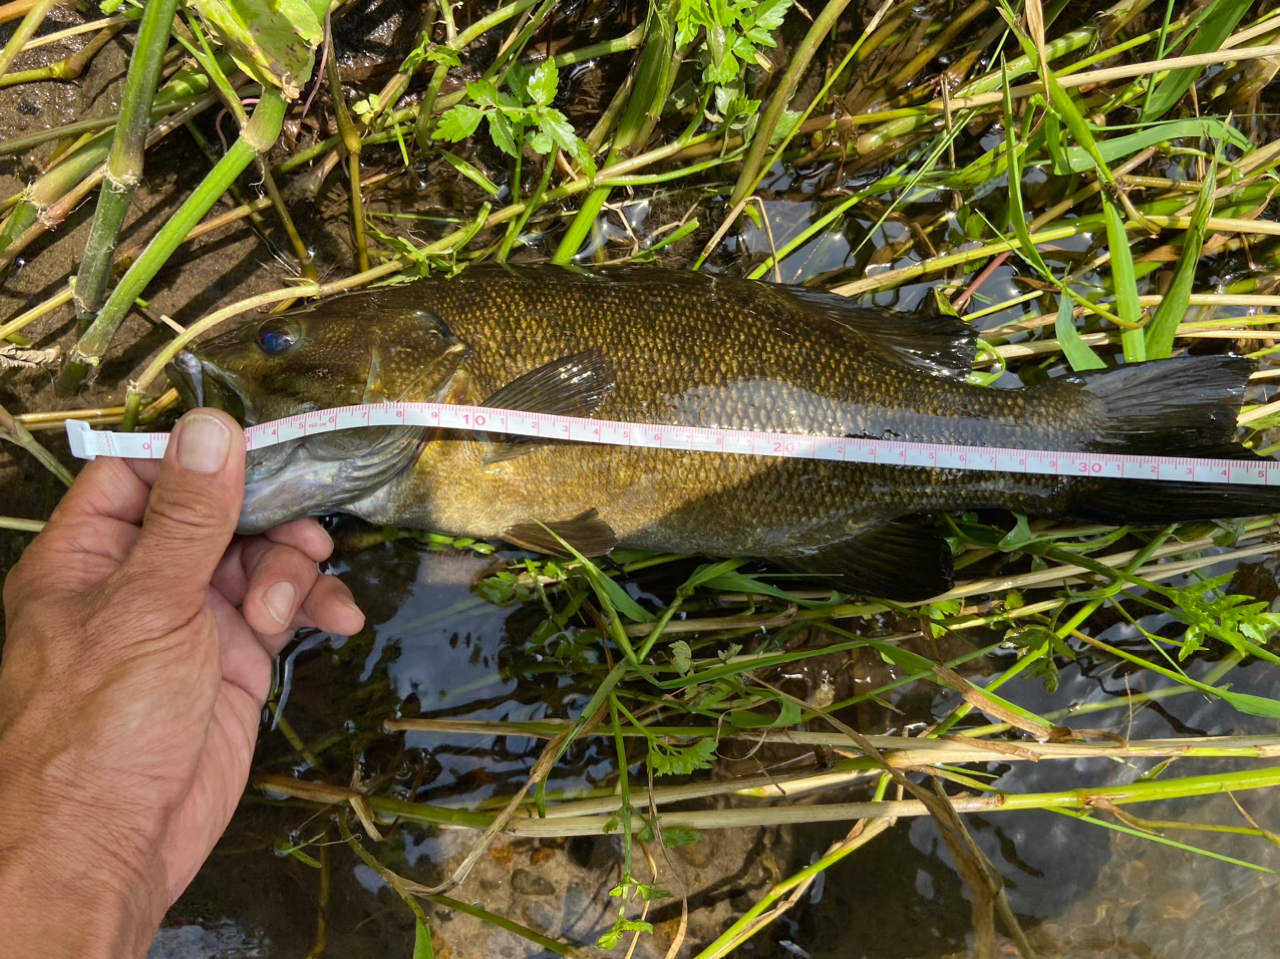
(299, 480)
(204, 384)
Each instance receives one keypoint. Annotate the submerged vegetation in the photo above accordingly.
(1086, 185)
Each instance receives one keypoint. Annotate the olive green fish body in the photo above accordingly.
(651, 346)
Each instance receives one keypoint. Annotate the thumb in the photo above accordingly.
(191, 515)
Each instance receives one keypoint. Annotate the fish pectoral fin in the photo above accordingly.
(573, 386)
(586, 532)
(896, 561)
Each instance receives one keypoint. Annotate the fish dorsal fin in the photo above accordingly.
(934, 343)
(573, 386)
(896, 561)
(586, 532)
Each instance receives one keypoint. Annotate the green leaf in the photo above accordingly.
(541, 143)
(502, 131)
(1019, 536)
(742, 583)
(769, 14)
(1172, 309)
(1215, 23)
(1125, 281)
(1017, 215)
(623, 925)
(422, 941)
(272, 42)
(903, 658)
(483, 92)
(673, 837)
(1077, 160)
(544, 83)
(518, 81)
(788, 715)
(666, 759)
(459, 122)
(1074, 348)
(446, 55)
(470, 172)
(607, 588)
(554, 124)
(681, 657)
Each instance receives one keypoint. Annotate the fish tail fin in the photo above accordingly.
(1186, 406)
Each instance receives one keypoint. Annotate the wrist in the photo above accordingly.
(66, 886)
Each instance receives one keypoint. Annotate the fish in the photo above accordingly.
(666, 347)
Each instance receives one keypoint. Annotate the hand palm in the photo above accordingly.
(138, 656)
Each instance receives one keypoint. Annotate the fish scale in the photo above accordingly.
(653, 346)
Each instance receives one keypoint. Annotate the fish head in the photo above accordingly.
(345, 352)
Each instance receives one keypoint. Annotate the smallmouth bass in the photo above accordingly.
(657, 346)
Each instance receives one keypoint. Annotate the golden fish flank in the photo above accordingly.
(658, 346)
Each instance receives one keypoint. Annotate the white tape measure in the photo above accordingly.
(87, 443)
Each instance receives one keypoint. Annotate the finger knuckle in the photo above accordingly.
(184, 511)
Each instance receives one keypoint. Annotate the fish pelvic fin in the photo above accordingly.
(573, 386)
(587, 533)
(896, 561)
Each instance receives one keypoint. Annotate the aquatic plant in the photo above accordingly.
(1085, 190)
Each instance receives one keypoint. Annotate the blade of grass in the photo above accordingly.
(1211, 28)
(1173, 307)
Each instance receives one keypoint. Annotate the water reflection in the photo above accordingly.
(437, 649)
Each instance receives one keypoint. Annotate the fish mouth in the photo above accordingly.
(201, 383)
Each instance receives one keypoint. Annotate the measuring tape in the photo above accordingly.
(88, 443)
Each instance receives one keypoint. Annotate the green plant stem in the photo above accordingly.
(256, 138)
(125, 159)
(654, 74)
(752, 165)
(26, 30)
(628, 41)
(351, 143)
(52, 186)
(23, 144)
(426, 113)
(1154, 790)
(69, 68)
(14, 432)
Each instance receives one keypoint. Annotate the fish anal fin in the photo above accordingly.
(573, 386)
(896, 561)
(587, 533)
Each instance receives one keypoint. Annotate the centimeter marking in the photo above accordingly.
(87, 443)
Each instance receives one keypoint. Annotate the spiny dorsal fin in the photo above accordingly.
(586, 532)
(573, 386)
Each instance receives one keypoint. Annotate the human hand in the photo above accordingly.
(140, 637)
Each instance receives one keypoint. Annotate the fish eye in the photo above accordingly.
(275, 337)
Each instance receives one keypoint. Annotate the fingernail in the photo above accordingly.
(279, 599)
(350, 604)
(203, 443)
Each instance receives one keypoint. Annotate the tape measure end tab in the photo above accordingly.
(78, 435)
